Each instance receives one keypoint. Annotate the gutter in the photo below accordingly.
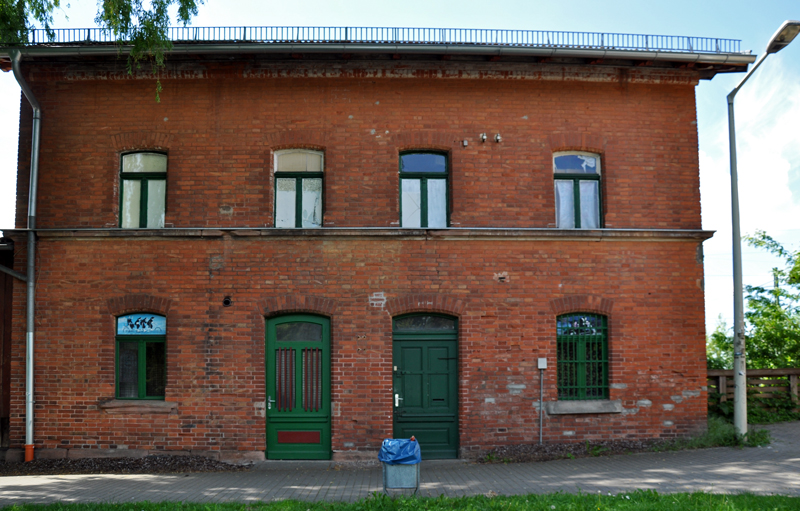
(16, 57)
(415, 49)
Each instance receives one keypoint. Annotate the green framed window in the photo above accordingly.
(141, 356)
(424, 190)
(577, 188)
(582, 356)
(143, 190)
(298, 188)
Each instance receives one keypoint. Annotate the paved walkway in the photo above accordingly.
(774, 469)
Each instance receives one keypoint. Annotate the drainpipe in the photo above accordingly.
(16, 57)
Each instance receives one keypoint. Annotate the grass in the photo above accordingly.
(640, 500)
(720, 433)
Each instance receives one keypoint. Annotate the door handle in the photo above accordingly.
(269, 402)
(397, 400)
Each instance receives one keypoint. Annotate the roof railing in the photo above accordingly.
(406, 36)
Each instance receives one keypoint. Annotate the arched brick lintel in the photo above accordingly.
(141, 140)
(138, 303)
(576, 141)
(421, 140)
(581, 303)
(297, 139)
(425, 303)
(286, 304)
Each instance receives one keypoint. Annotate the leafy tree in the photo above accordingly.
(719, 347)
(772, 318)
(773, 314)
(142, 25)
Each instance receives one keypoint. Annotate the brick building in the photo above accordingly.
(306, 247)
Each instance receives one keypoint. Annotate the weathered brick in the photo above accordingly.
(220, 129)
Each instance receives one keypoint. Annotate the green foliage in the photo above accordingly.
(719, 347)
(144, 28)
(760, 410)
(139, 26)
(773, 315)
(770, 410)
(595, 450)
(720, 433)
(772, 319)
(18, 17)
(638, 500)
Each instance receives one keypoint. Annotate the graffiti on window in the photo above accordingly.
(141, 324)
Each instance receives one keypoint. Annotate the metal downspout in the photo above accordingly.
(16, 57)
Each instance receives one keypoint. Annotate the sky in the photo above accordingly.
(767, 107)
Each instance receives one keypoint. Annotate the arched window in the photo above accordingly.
(298, 188)
(423, 190)
(582, 356)
(143, 190)
(141, 371)
(577, 188)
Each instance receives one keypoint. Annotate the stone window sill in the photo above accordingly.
(143, 406)
(587, 406)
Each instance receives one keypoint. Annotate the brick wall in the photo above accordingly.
(650, 292)
(220, 134)
(220, 131)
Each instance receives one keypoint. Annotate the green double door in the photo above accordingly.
(425, 377)
(298, 388)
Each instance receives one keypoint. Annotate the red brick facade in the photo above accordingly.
(220, 124)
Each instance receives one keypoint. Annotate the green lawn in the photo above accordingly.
(632, 501)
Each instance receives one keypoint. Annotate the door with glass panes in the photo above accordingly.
(298, 387)
(425, 380)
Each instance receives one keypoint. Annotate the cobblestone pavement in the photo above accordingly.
(773, 469)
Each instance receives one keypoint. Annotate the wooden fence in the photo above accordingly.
(761, 383)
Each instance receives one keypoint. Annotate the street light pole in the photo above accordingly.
(785, 34)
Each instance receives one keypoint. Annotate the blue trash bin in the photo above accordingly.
(400, 459)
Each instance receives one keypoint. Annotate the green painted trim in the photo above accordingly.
(576, 194)
(142, 341)
(298, 419)
(580, 362)
(423, 186)
(298, 195)
(428, 420)
(144, 193)
(143, 178)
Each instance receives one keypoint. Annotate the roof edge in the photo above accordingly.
(416, 49)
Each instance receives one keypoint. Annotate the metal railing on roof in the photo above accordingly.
(407, 36)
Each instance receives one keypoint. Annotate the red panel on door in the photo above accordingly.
(298, 437)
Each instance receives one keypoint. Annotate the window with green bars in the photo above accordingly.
(582, 356)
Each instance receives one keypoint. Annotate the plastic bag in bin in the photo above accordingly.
(399, 451)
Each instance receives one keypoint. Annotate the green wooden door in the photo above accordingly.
(425, 360)
(298, 388)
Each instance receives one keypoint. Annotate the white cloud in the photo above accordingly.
(768, 151)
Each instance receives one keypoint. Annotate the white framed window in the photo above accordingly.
(143, 190)
(577, 190)
(298, 188)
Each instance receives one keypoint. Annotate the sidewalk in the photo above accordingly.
(774, 469)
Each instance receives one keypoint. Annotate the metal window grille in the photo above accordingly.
(582, 353)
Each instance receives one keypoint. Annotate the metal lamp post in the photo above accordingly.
(785, 34)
